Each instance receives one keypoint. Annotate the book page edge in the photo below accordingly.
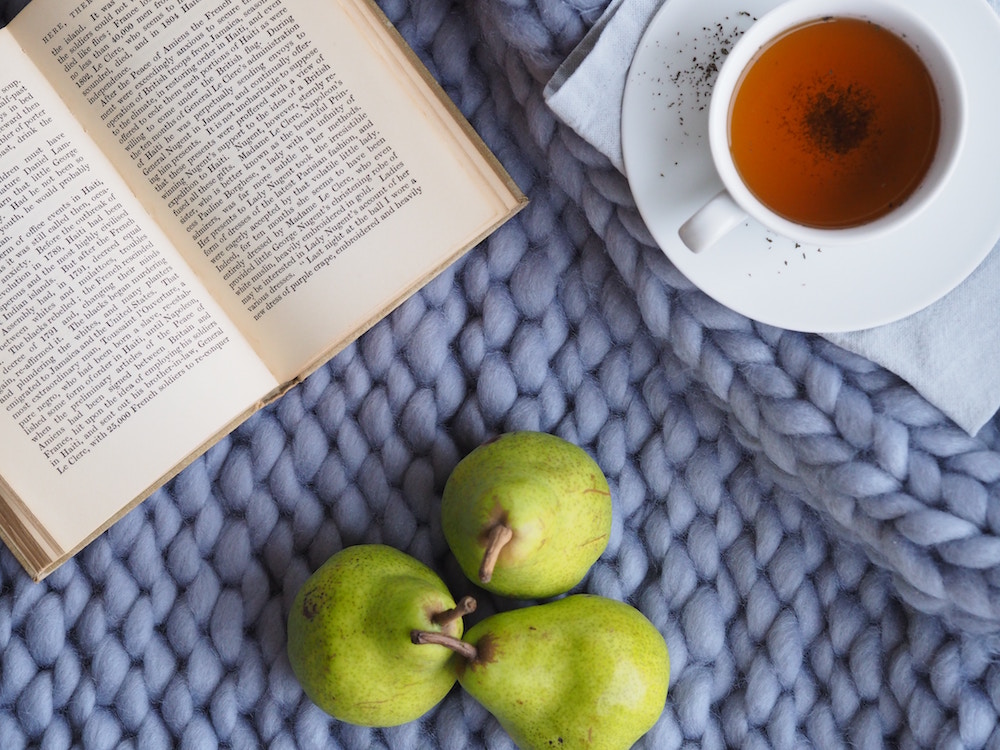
(507, 190)
(415, 286)
(39, 562)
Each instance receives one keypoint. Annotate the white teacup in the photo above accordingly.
(737, 201)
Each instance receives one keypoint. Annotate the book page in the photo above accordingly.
(115, 363)
(305, 170)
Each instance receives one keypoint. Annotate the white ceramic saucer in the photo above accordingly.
(759, 273)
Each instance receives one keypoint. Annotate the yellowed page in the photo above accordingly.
(303, 168)
(115, 363)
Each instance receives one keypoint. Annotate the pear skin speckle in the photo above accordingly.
(552, 495)
(349, 637)
(583, 672)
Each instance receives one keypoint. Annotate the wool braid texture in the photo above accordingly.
(815, 541)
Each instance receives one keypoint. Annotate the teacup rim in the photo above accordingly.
(789, 15)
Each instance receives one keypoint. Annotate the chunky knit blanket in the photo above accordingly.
(817, 543)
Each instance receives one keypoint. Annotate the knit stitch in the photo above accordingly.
(816, 542)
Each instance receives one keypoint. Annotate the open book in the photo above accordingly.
(201, 201)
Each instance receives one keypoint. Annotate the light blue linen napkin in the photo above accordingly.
(949, 352)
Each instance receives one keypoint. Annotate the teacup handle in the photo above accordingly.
(711, 222)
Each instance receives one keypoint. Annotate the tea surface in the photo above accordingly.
(834, 123)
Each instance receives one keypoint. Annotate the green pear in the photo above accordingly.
(349, 636)
(580, 672)
(527, 514)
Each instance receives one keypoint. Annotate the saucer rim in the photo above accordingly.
(782, 302)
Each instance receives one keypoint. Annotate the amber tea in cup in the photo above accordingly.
(834, 122)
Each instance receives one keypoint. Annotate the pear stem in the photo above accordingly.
(499, 536)
(465, 606)
(460, 647)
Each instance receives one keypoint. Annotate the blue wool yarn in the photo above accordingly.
(817, 543)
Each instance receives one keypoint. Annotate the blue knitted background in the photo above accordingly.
(818, 545)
